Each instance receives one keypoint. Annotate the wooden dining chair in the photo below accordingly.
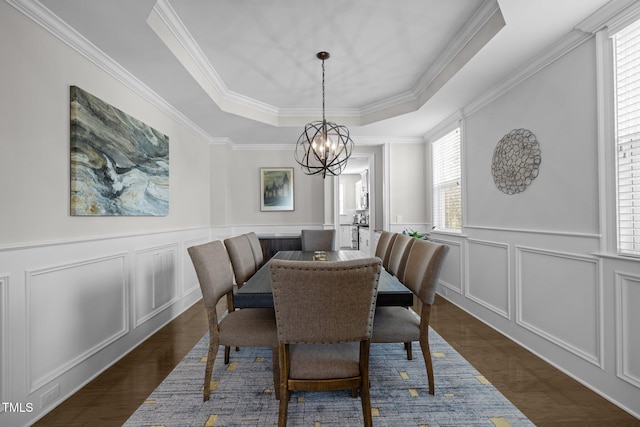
(254, 242)
(242, 258)
(400, 324)
(398, 255)
(324, 314)
(383, 248)
(249, 327)
(317, 240)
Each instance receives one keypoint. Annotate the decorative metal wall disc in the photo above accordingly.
(516, 160)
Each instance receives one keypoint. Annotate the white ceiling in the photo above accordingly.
(246, 70)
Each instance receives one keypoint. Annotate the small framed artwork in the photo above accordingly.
(276, 189)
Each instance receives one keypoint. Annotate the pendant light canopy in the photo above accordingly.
(323, 147)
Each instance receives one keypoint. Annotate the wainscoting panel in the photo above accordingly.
(156, 279)
(546, 289)
(73, 311)
(627, 321)
(452, 271)
(68, 309)
(488, 275)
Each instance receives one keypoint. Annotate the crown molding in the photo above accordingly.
(46, 19)
(445, 126)
(613, 12)
(574, 39)
(614, 15)
(173, 33)
(484, 15)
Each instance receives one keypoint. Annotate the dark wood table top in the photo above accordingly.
(256, 292)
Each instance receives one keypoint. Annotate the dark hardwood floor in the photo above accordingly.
(545, 395)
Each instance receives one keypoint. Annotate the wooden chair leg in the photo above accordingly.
(409, 349)
(424, 345)
(275, 366)
(211, 358)
(364, 385)
(366, 407)
(284, 385)
(284, 407)
(426, 352)
(226, 355)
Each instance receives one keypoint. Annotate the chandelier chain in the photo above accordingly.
(323, 117)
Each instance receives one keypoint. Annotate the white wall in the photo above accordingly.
(558, 105)
(349, 182)
(408, 187)
(244, 181)
(77, 293)
(528, 263)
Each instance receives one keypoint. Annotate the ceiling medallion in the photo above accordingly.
(516, 160)
(323, 147)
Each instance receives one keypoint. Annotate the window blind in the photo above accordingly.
(447, 194)
(627, 105)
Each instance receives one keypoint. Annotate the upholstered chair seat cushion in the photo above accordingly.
(395, 324)
(324, 361)
(258, 326)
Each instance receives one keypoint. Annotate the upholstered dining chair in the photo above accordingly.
(383, 248)
(400, 324)
(317, 240)
(398, 255)
(242, 258)
(324, 314)
(249, 327)
(254, 242)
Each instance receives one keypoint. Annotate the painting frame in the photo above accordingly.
(277, 189)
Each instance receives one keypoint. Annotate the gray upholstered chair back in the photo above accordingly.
(211, 263)
(399, 254)
(256, 249)
(318, 240)
(423, 269)
(242, 259)
(383, 248)
(324, 302)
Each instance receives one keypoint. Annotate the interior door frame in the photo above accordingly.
(372, 200)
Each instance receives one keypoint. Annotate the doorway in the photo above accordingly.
(354, 204)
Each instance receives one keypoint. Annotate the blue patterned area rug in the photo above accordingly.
(243, 393)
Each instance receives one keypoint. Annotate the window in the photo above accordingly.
(341, 199)
(627, 138)
(447, 189)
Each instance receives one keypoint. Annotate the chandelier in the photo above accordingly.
(323, 147)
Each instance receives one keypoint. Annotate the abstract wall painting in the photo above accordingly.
(119, 165)
(276, 189)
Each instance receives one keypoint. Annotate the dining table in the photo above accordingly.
(256, 292)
